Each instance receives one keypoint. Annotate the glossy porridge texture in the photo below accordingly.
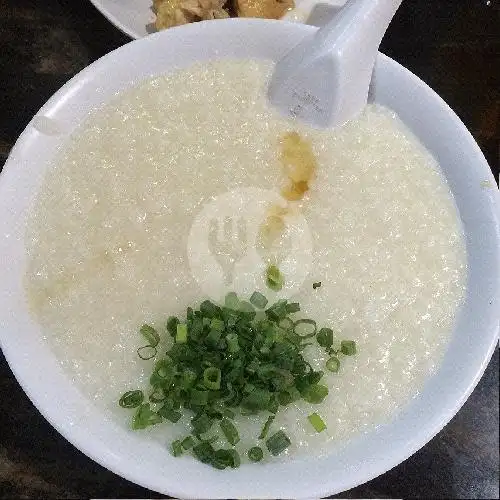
(107, 242)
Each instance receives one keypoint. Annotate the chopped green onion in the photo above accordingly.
(201, 423)
(232, 343)
(236, 357)
(316, 285)
(274, 278)
(188, 442)
(267, 426)
(226, 458)
(247, 309)
(348, 347)
(212, 439)
(177, 448)
(172, 323)
(274, 404)
(181, 335)
(314, 377)
(255, 454)
(150, 334)
(229, 431)
(198, 398)
(231, 300)
(187, 379)
(217, 324)
(210, 310)
(277, 311)
(131, 399)
(144, 417)
(286, 324)
(278, 443)
(212, 339)
(170, 414)
(157, 396)
(228, 413)
(236, 461)
(288, 395)
(293, 307)
(147, 352)
(257, 400)
(315, 393)
(303, 331)
(317, 422)
(211, 378)
(204, 452)
(333, 364)
(258, 300)
(325, 337)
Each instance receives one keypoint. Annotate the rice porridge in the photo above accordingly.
(108, 238)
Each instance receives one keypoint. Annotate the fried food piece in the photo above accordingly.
(165, 13)
(270, 9)
(176, 12)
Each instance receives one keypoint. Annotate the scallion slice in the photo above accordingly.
(255, 454)
(333, 364)
(211, 378)
(267, 426)
(317, 422)
(144, 417)
(147, 352)
(274, 278)
(177, 448)
(201, 423)
(181, 334)
(325, 337)
(348, 347)
(172, 323)
(229, 431)
(204, 452)
(188, 442)
(226, 458)
(305, 328)
(150, 334)
(231, 301)
(293, 307)
(131, 399)
(315, 393)
(258, 300)
(170, 414)
(198, 398)
(278, 443)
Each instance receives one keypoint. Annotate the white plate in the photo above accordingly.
(149, 464)
(129, 16)
(132, 16)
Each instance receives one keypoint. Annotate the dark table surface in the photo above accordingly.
(453, 45)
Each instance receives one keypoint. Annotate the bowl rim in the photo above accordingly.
(90, 447)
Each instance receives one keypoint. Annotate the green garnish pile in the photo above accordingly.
(241, 357)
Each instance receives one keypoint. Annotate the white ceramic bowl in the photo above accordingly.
(150, 465)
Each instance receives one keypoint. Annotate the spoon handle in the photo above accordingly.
(325, 79)
(360, 24)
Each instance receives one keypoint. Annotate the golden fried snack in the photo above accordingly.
(270, 9)
(176, 12)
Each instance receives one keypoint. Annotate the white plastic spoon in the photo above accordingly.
(325, 79)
